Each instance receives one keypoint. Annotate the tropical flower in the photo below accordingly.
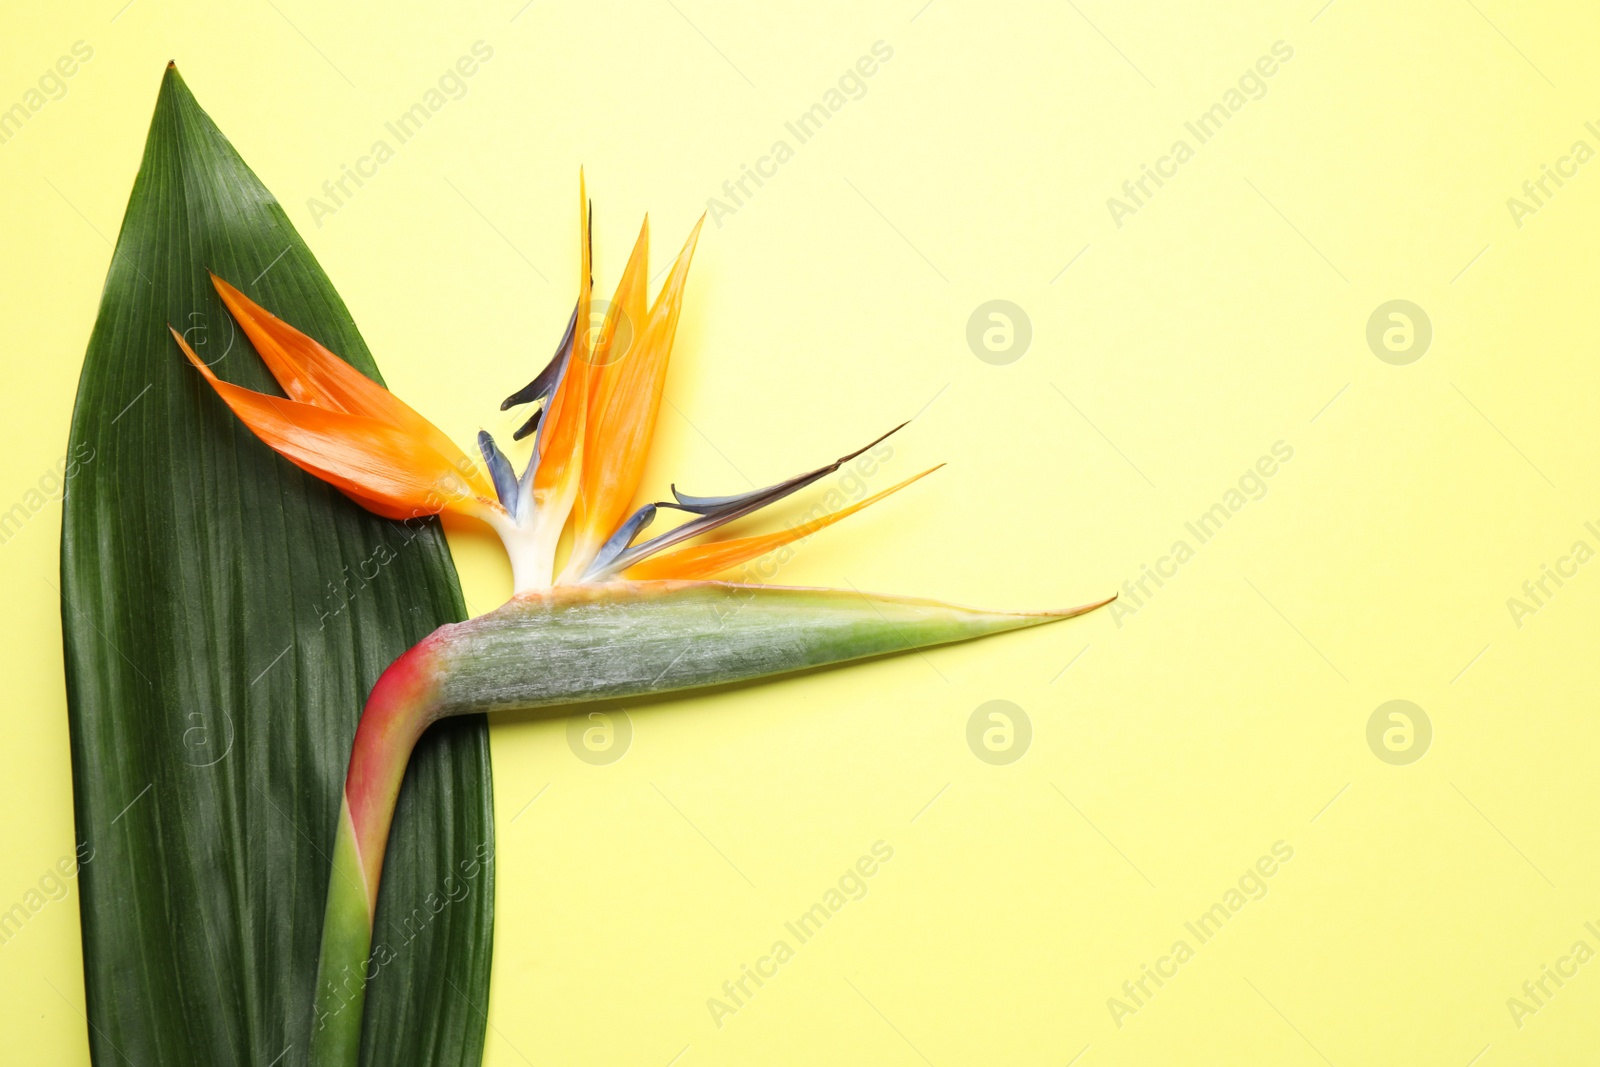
(620, 618)
(595, 408)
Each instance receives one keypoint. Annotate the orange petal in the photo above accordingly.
(625, 412)
(307, 371)
(380, 467)
(625, 392)
(669, 302)
(311, 374)
(704, 561)
(555, 482)
(622, 333)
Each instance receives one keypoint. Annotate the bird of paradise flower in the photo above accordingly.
(620, 618)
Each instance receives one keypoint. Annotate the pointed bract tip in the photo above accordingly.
(1069, 613)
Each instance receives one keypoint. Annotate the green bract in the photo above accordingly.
(570, 645)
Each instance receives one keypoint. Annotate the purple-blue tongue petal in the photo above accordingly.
(705, 505)
(505, 479)
(599, 567)
(714, 511)
(545, 382)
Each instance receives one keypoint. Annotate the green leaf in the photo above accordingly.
(225, 616)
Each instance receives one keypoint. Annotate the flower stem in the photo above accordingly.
(402, 705)
(568, 645)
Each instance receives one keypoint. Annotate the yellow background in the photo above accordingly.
(1228, 313)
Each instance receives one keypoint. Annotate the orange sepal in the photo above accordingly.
(622, 335)
(555, 482)
(627, 398)
(311, 374)
(704, 561)
(379, 466)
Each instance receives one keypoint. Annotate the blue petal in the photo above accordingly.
(537, 426)
(713, 512)
(531, 425)
(545, 382)
(700, 505)
(505, 479)
(600, 567)
(705, 505)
